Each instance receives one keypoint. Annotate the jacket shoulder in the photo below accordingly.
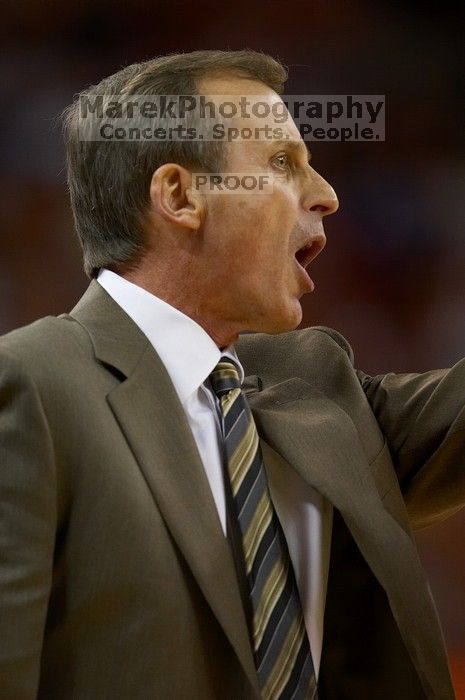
(311, 338)
(45, 345)
(337, 338)
(316, 346)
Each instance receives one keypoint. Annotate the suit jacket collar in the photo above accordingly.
(116, 339)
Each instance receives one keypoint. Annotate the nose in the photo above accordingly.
(319, 195)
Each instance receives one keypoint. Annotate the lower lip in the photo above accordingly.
(307, 280)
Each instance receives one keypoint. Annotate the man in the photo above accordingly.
(126, 569)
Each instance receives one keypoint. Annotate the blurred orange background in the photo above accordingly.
(392, 276)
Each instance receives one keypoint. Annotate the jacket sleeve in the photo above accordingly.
(422, 416)
(27, 530)
(423, 419)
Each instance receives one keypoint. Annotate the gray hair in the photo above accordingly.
(109, 182)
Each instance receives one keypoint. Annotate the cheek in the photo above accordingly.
(242, 225)
(252, 232)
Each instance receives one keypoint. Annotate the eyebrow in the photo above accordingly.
(293, 145)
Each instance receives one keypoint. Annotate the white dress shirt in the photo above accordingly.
(190, 355)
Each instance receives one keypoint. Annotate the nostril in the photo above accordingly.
(299, 256)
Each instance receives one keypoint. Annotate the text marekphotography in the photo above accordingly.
(231, 117)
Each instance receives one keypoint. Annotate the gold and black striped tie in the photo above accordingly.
(278, 635)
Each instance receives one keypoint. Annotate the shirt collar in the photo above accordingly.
(185, 348)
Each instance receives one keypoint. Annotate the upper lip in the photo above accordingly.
(310, 248)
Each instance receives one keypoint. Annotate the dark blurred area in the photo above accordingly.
(392, 276)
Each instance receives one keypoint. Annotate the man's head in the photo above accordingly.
(230, 261)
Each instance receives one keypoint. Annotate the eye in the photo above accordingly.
(282, 160)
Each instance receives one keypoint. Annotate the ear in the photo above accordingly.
(173, 197)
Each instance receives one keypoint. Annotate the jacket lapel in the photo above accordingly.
(153, 421)
(319, 440)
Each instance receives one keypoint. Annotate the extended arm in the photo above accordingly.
(423, 418)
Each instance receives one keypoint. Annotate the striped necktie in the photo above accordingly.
(278, 635)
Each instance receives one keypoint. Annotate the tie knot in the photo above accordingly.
(225, 377)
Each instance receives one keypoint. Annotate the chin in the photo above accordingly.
(288, 320)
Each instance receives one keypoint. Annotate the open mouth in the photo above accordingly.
(307, 253)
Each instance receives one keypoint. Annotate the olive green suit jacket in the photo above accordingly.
(116, 581)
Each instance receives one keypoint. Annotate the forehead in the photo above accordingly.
(232, 88)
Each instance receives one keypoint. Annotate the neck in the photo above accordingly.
(171, 288)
